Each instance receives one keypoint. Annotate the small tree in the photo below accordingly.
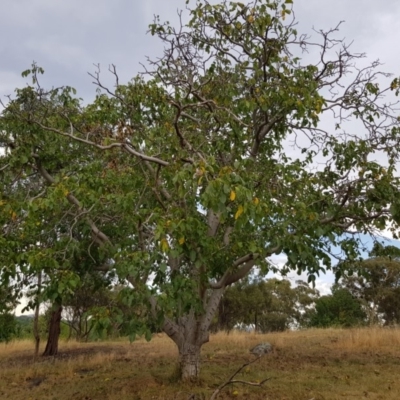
(94, 291)
(186, 177)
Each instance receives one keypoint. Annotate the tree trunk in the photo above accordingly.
(189, 361)
(36, 332)
(54, 331)
(190, 332)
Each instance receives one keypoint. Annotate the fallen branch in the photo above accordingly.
(232, 381)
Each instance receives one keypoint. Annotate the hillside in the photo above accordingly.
(314, 364)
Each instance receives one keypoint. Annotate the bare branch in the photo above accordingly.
(124, 146)
(231, 381)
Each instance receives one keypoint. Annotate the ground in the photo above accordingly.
(314, 364)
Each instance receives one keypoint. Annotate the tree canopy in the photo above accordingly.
(340, 309)
(182, 181)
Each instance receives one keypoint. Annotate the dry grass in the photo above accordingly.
(313, 364)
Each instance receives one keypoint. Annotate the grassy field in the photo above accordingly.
(313, 364)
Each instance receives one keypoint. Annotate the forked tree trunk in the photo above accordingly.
(54, 331)
(189, 333)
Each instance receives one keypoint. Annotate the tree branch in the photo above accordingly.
(124, 146)
(231, 381)
(213, 223)
(231, 277)
(99, 236)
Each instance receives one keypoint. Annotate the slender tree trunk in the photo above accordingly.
(36, 332)
(54, 331)
(69, 332)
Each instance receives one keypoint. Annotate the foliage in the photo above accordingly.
(340, 309)
(8, 322)
(183, 178)
(92, 292)
(8, 326)
(8, 298)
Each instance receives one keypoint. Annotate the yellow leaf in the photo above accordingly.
(164, 245)
(13, 216)
(181, 240)
(239, 212)
(250, 19)
(235, 393)
(318, 106)
(232, 196)
(256, 201)
(225, 170)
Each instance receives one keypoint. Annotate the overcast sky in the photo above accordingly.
(66, 37)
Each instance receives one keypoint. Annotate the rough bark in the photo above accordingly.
(189, 361)
(54, 331)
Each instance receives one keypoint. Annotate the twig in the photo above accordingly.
(4, 167)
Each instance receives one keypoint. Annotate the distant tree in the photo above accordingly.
(24, 326)
(376, 282)
(271, 305)
(339, 309)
